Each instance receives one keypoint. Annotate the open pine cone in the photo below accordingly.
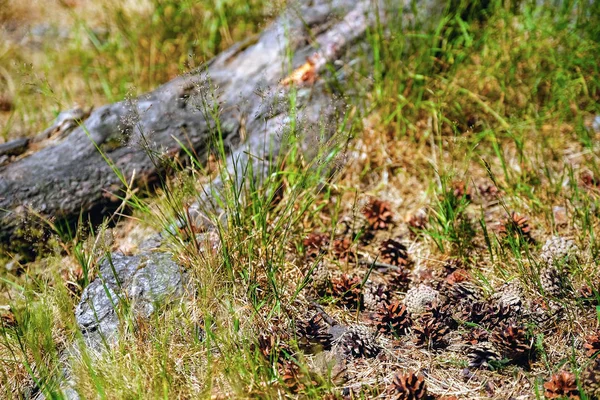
(376, 295)
(347, 289)
(393, 318)
(395, 253)
(315, 244)
(554, 282)
(409, 386)
(513, 343)
(419, 298)
(430, 333)
(590, 379)
(358, 341)
(558, 250)
(516, 225)
(592, 345)
(482, 355)
(294, 378)
(342, 249)
(273, 347)
(312, 334)
(561, 385)
(378, 214)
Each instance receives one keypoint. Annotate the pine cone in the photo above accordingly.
(540, 311)
(553, 282)
(458, 275)
(273, 348)
(476, 336)
(590, 379)
(312, 335)
(513, 344)
(342, 249)
(417, 222)
(378, 214)
(510, 294)
(358, 341)
(465, 292)
(558, 250)
(485, 313)
(409, 387)
(320, 278)
(561, 385)
(315, 244)
(460, 190)
(430, 333)
(483, 355)
(393, 318)
(399, 279)
(592, 345)
(347, 289)
(516, 225)
(294, 378)
(376, 295)
(395, 253)
(441, 312)
(419, 298)
(489, 193)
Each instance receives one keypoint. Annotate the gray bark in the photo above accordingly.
(69, 175)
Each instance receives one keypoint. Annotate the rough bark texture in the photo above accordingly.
(69, 175)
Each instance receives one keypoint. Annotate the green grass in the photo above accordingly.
(501, 97)
(114, 49)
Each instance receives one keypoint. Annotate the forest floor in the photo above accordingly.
(456, 237)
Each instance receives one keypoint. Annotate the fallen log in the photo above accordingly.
(246, 86)
(70, 175)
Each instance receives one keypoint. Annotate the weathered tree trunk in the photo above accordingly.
(245, 84)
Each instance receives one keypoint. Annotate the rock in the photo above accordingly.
(143, 280)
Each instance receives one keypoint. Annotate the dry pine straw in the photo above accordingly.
(392, 170)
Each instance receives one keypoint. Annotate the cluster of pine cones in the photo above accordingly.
(496, 326)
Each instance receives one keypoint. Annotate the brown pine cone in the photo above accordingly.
(483, 355)
(378, 214)
(343, 249)
(393, 318)
(417, 222)
(312, 335)
(273, 348)
(399, 279)
(516, 225)
(409, 386)
(315, 244)
(294, 378)
(465, 292)
(395, 253)
(513, 343)
(561, 385)
(592, 345)
(358, 341)
(590, 379)
(430, 333)
(476, 335)
(376, 295)
(347, 289)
